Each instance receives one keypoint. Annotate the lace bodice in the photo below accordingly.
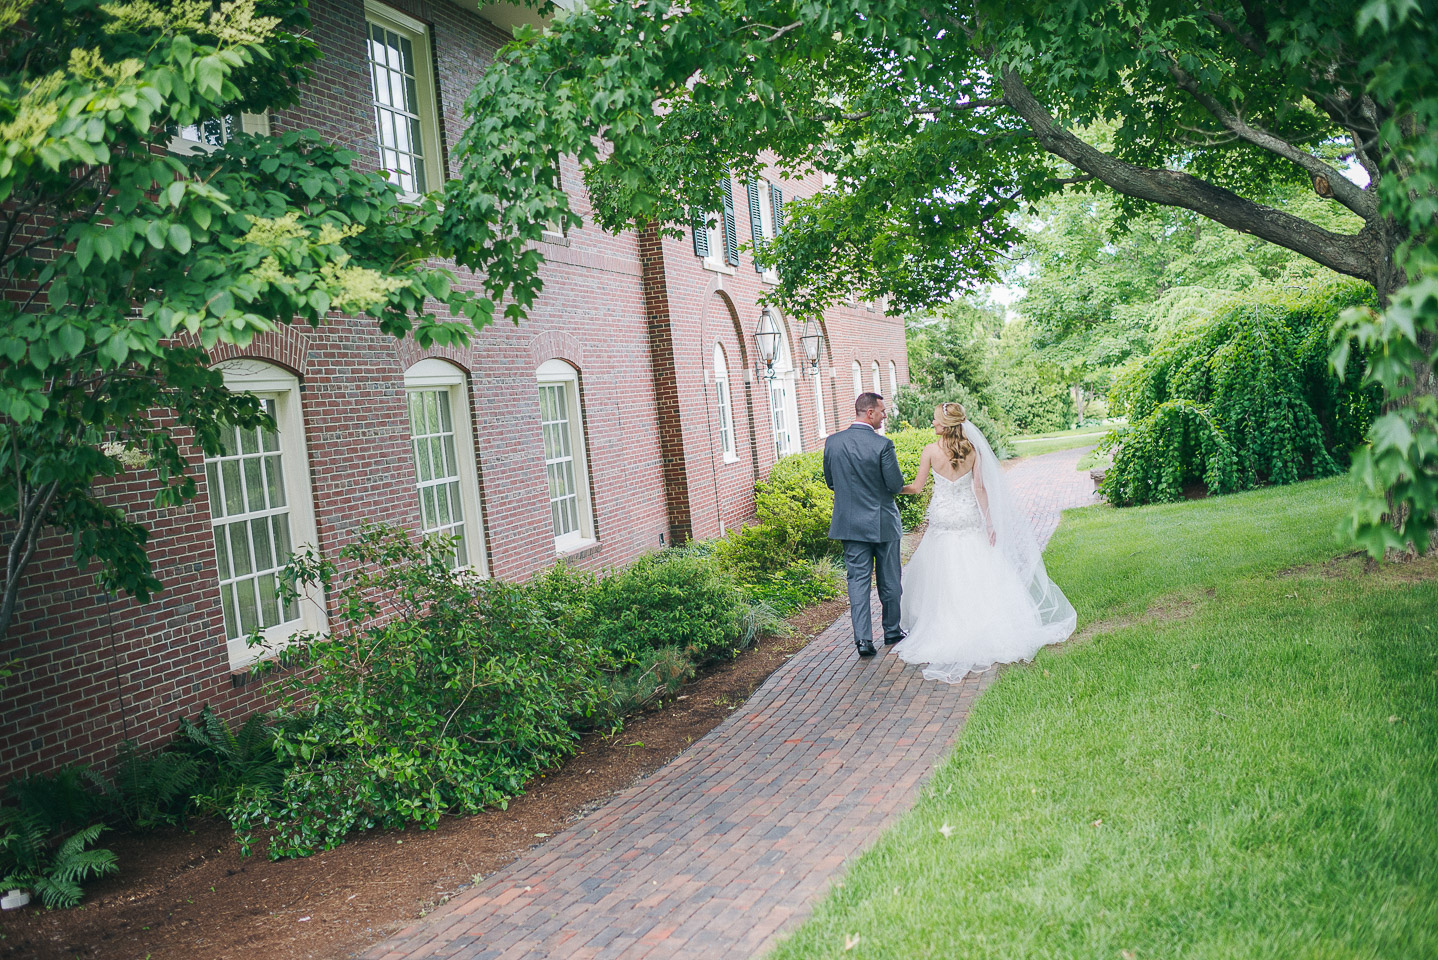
(954, 508)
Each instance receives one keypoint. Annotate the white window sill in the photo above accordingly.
(731, 458)
(569, 546)
(718, 266)
(554, 237)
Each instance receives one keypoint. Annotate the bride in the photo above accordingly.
(975, 592)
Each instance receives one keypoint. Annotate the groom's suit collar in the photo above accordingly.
(860, 423)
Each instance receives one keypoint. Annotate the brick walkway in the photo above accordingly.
(717, 853)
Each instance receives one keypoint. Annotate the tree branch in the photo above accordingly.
(1345, 191)
(1355, 255)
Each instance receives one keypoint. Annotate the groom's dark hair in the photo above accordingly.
(865, 402)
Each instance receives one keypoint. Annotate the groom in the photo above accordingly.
(860, 466)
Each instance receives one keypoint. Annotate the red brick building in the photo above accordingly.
(628, 412)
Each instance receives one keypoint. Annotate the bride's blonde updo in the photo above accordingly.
(950, 418)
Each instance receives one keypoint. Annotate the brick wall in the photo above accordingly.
(637, 316)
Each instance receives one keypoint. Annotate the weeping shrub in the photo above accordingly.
(1242, 399)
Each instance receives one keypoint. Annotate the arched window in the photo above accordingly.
(565, 464)
(858, 379)
(878, 386)
(781, 400)
(726, 413)
(893, 380)
(261, 511)
(442, 442)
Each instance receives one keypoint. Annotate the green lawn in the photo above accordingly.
(1032, 444)
(1237, 758)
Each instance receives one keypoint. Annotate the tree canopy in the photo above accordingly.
(937, 122)
(123, 263)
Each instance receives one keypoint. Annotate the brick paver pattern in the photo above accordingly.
(721, 851)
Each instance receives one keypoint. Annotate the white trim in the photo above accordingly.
(782, 385)
(257, 123)
(426, 110)
(724, 397)
(270, 382)
(436, 375)
(858, 372)
(821, 421)
(560, 373)
(893, 380)
(766, 222)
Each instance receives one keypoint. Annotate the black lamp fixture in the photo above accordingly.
(767, 337)
(813, 341)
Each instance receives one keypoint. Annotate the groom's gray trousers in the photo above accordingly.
(863, 560)
(862, 469)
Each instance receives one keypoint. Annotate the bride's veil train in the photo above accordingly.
(1015, 535)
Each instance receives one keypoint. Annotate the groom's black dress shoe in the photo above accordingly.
(892, 638)
(866, 648)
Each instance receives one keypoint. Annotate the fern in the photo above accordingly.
(56, 875)
(154, 790)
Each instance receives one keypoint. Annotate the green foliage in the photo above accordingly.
(35, 852)
(668, 601)
(232, 763)
(1029, 391)
(432, 692)
(916, 408)
(656, 675)
(128, 263)
(153, 789)
(795, 502)
(800, 584)
(1244, 399)
(952, 342)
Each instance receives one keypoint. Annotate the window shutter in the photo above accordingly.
(701, 237)
(731, 238)
(776, 199)
(756, 218)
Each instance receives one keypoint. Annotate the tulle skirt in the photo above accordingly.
(965, 608)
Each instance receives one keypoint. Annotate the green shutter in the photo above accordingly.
(731, 238)
(701, 237)
(756, 218)
(776, 200)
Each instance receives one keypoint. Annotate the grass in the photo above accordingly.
(1235, 758)
(1032, 444)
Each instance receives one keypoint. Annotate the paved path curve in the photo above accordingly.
(732, 843)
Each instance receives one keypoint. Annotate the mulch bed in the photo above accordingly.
(182, 894)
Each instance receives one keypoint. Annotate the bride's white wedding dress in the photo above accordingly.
(968, 604)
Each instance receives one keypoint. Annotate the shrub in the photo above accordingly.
(655, 675)
(1251, 384)
(796, 503)
(433, 692)
(754, 553)
(798, 585)
(154, 789)
(232, 764)
(669, 599)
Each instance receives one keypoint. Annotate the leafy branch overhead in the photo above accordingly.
(124, 263)
(936, 122)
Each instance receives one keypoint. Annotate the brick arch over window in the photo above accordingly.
(742, 372)
(286, 346)
(408, 353)
(553, 345)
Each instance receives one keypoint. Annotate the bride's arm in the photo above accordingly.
(983, 497)
(923, 476)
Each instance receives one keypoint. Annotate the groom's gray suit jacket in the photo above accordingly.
(862, 469)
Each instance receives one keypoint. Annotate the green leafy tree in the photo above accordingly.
(953, 341)
(1244, 399)
(937, 122)
(122, 264)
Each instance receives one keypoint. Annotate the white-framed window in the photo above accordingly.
(261, 512)
(207, 136)
(858, 378)
(726, 412)
(402, 92)
(442, 442)
(893, 380)
(565, 464)
(821, 422)
(878, 384)
(782, 403)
